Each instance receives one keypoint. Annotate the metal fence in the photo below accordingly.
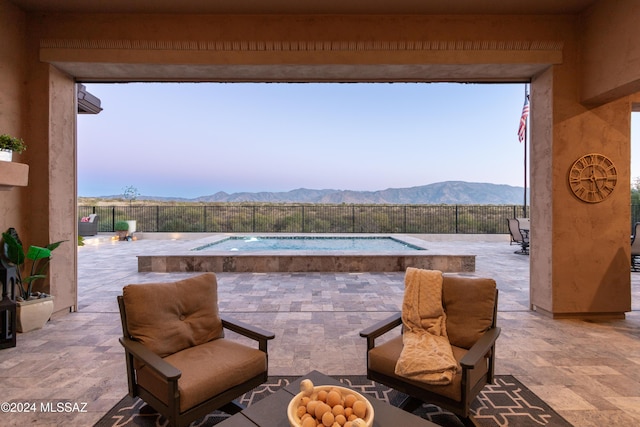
(310, 218)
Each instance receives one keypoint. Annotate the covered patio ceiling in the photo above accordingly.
(204, 70)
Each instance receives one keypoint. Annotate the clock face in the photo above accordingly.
(593, 177)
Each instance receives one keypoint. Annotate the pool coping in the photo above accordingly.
(304, 261)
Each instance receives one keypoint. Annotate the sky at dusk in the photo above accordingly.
(195, 139)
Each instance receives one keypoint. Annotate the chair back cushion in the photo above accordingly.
(169, 317)
(469, 304)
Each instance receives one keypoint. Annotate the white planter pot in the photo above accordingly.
(132, 227)
(33, 314)
(6, 156)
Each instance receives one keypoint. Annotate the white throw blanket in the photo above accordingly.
(426, 354)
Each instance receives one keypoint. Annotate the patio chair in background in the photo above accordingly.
(88, 226)
(635, 248)
(524, 226)
(519, 231)
(514, 231)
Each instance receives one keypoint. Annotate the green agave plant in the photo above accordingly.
(39, 256)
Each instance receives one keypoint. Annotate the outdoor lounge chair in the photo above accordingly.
(514, 231)
(88, 226)
(470, 305)
(635, 248)
(177, 358)
(519, 231)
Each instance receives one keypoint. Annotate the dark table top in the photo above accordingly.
(272, 411)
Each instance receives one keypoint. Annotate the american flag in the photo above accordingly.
(522, 130)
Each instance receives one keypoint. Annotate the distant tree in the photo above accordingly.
(131, 194)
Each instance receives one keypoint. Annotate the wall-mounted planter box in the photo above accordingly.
(13, 175)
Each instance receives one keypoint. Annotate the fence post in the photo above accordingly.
(353, 218)
(253, 219)
(302, 214)
(204, 218)
(157, 219)
(404, 225)
(456, 219)
(113, 218)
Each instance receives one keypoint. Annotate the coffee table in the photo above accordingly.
(272, 411)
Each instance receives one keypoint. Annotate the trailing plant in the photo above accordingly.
(39, 257)
(11, 143)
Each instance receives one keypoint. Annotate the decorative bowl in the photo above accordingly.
(308, 389)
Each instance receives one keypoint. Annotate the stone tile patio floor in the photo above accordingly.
(587, 371)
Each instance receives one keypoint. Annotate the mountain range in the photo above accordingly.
(449, 192)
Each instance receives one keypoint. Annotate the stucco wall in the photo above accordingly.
(37, 103)
(541, 170)
(52, 195)
(12, 105)
(610, 35)
(580, 252)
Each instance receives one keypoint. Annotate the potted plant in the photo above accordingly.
(131, 194)
(33, 309)
(9, 144)
(122, 229)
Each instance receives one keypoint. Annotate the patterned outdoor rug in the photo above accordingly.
(505, 403)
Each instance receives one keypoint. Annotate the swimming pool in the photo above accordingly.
(309, 243)
(412, 253)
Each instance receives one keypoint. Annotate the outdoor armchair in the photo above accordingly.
(178, 360)
(470, 305)
(88, 226)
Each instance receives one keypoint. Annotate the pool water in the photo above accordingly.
(306, 243)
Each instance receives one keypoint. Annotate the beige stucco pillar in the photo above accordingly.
(38, 105)
(51, 194)
(580, 253)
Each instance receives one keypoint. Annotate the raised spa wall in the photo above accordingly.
(243, 263)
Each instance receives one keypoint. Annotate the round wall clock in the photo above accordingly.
(593, 177)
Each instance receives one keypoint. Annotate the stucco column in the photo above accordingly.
(580, 253)
(51, 194)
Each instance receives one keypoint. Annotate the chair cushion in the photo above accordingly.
(383, 358)
(170, 317)
(469, 303)
(207, 370)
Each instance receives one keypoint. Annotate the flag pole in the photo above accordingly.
(524, 140)
(524, 204)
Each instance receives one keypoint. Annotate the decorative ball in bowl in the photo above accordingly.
(326, 405)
